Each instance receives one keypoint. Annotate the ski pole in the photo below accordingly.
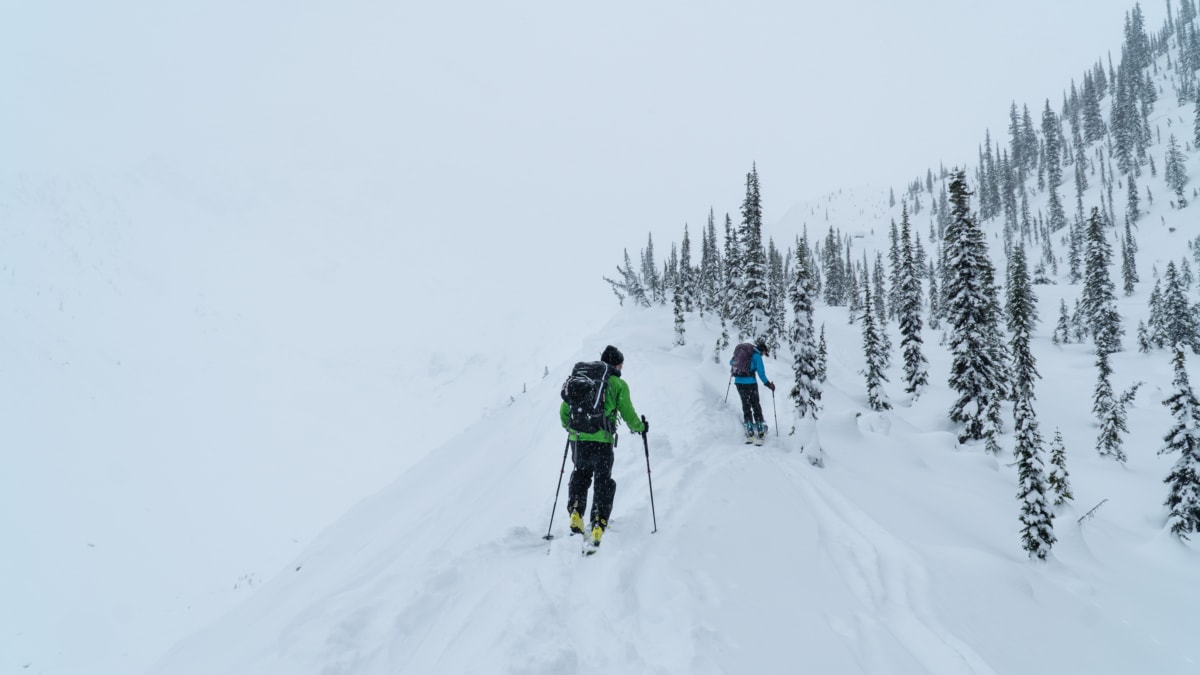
(646, 444)
(557, 490)
(727, 388)
(775, 412)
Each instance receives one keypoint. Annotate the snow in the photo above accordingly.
(901, 555)
(255, 422)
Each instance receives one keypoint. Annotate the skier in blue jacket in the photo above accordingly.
(744, 372)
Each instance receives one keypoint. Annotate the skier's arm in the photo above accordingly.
(758, 368)
(564, 413)
(625, 406)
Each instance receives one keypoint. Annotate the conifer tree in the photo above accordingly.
(1183, 499)
(1037, 520)
(650, 276)
(1062, 331)
(1099, 302)
(822, 356)
(916, 372)
(874, 354)
(1037, 532)
(1059, 479)
(893, 295)
(1110, 415)
(753, 312)
(935, 308)
(776, 298)
(677, 302)
(1022, 318)
(687, 283)
(1172, 319)
(710, 268)
(1128, 261)
(880, 310)
(732, 272)
(972, 312)
(1174, 171)
(1132, 207)
(1029, 140)
(834, 278)
(1093, 123)
(806, 393)
(1196, 124)
(852, 286)
(630, 285)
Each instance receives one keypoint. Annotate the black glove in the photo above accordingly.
(645, 425)
(771, 386)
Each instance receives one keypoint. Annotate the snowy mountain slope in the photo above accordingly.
(197, 388)
(199, 379)
(900, 556)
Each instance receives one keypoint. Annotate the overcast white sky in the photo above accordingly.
(515, 120)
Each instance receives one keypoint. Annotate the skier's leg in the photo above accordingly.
(746, 392)
(606, 487)
(581, 478)
(755, 403)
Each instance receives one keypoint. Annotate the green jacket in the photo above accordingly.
(616, 400)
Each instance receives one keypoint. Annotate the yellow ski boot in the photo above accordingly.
(576, 523)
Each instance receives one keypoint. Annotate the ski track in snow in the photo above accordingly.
(889, 580)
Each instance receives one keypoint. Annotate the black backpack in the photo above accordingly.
(741, 360)
(584, 392)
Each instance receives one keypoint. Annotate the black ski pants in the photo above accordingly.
(593, 462)
(751, 407)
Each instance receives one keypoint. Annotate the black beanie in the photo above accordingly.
(612, 356)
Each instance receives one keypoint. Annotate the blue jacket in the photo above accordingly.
(756, 366)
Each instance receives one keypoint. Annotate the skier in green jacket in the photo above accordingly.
(593, 453)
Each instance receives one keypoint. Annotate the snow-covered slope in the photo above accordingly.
(901, 555)
(198, 379)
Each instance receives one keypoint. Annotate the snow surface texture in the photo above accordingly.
(901, 556)
(195, 386)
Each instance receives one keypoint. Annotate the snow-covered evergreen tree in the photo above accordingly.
(935, 307)
(776, 298)
(1172, 319)
(1037, 520)
(1062, 330)
(1174, 172)
(650, 275)
(908, 311)
(1183, 499)
(881, 325)
(687, 280)
(873, 352)
(1109, 413)
(822, 356)
(1099, 301)
(1132, 210)
(1129, 273)
(753, 312)
(806, 393)
(835, 278)
(1022, 318)
(1059, 479)
(630, 285)
(972, 313)
(677, 301)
